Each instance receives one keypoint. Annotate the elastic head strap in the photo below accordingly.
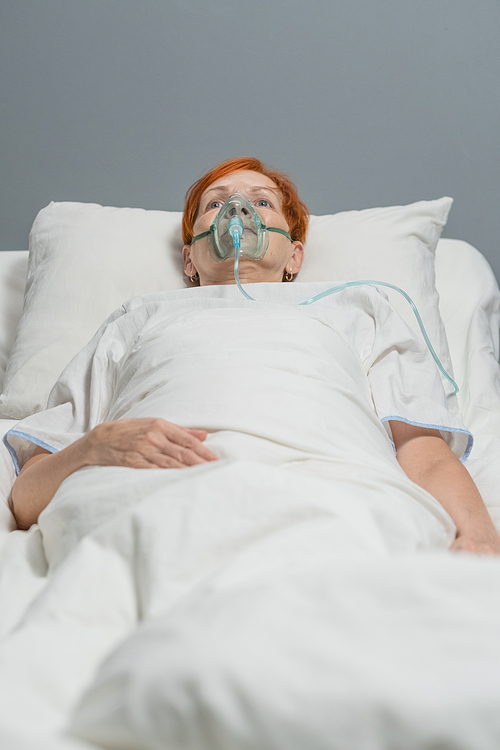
(203, 234)
(279, 231)
(269, 229)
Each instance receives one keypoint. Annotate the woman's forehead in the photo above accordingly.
(243, 179)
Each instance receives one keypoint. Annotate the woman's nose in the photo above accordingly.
(242, 209)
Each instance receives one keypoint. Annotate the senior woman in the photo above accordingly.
(141, 442)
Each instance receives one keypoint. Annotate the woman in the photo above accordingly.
(155, 442)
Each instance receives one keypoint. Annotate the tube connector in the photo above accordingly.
(235, 228)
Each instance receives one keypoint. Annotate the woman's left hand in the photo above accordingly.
(480, 542)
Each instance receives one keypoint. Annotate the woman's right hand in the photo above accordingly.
(146, 443)
(137, 443)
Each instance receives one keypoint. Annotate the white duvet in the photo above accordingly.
(298, 592)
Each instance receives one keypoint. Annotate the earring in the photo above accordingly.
(195, 278)
(288, 276)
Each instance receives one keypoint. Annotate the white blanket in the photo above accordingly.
(296, 593)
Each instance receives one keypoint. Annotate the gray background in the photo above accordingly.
(364, 102)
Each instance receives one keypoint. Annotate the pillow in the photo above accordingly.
(395, 244)
(7, 477)
(470, 307)
(13, 266)
(85, 260)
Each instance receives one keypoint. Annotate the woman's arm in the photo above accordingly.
(136, 443)
(429, 462)
(39, 479)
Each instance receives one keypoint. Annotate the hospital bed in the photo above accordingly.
(84, 261)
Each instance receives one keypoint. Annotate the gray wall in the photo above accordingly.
(363, 102)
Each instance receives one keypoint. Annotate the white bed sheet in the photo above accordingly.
(277, 610)
(240, 605)
(303, 626)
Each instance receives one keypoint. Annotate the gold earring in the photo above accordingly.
(195, 278)
(288, 276)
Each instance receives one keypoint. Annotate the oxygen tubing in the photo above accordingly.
(345, 285)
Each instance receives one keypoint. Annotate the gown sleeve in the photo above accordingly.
(80, 398)
(405, 381)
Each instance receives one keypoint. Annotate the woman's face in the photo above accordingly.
(281, 254)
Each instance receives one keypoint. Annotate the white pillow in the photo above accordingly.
(86, 260)
(470, 308)
(13, 266)
(395, 244)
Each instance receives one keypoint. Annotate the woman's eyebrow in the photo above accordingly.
(262, 187)
(219, 187)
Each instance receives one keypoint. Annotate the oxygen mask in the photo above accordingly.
(238, 226)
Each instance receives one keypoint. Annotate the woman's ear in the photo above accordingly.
(189, 267)
(296, 258)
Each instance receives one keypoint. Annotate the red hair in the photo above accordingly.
(295, 211)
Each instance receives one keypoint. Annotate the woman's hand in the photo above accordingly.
(429, 462)
(485, 542)
(149, 443)
(137, 443)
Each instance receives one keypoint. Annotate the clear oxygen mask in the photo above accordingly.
(238, 226)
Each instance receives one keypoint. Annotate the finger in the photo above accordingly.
(199, 434)
(191, 442)
(169, 462)
(163, 461)
(155, 460)
(139, 462)
(176, 441)
(170, 454)
(186, 456)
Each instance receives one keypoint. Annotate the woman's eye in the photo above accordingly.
(214, 204)
(263, 203)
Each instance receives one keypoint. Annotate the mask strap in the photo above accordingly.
(203, 234)
(279, 231)
(269, 229)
